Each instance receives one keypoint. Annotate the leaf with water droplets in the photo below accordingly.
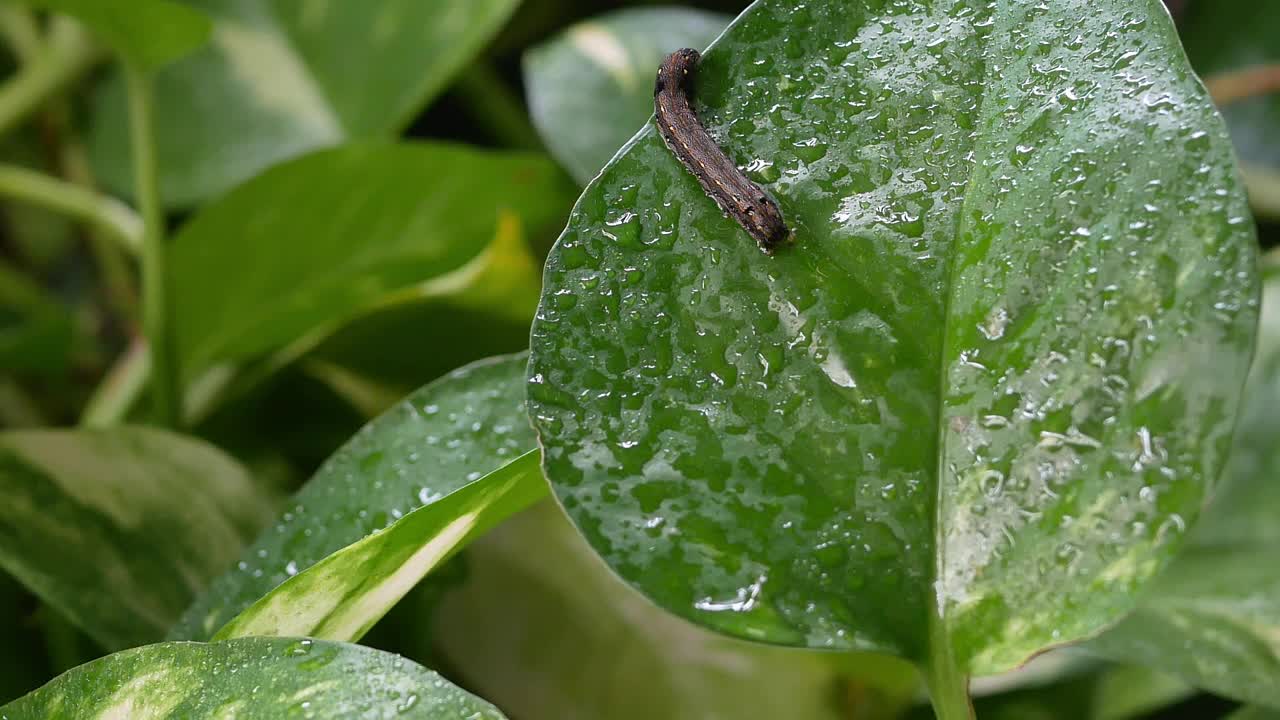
(445, 436)
(343, 595)
(591, 86)
(250, 679)
(1213, 618)
(970, 410)
(120, 529)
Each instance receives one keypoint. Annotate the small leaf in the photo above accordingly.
(591, 87)
(442, 438)
(969, 411)
(120, 529)
(342, 596)
(1213, 618)
(250, 679)
(334, 234)
(339, 71)
(150, 33)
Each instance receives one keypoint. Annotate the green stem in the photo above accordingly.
(948, 686)
(102, 212)
(68, 56)
(155, 297)
(491, 103)
(120, 389)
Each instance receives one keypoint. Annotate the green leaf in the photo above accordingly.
(342, 596)
(1255, 712)
(440, 439)
(1231, 36)
(250, 678)
(498, 291)
(338, 71)
(150, 33)
(336, 234)
(591, 86)
(1213, 618)
(970, 410)
(576, 626)
(119, 529)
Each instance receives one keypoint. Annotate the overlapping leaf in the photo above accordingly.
(120, 529)
(974, 405)
(150, 33)
(447, 435)
(250, 678)
(337, 72)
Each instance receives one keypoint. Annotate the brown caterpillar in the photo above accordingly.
(743, 200)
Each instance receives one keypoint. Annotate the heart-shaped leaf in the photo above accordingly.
(342, 596)
(441, 438)
(591, 86)
(970, 410)
(338, 71)
(120, 529)
(334, 234)
(251, 679)
(150, 33)
(1213, 618)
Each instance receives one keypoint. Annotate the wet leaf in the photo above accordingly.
(150, 33)
(441, 438)
(1213, 618)
(250, 678)
(342, 596)
(971, 409)
(591, 86)
(339, 71)
(120, 529)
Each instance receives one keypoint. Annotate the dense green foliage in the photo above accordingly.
(321, 397)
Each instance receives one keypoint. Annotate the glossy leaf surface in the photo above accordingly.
(447, 435)
(1213, 618)
(591, 86)
(334, 234)
(986, 387)
(342, 596)
(338, 71)
(250, 678)
(120, 529)
(150, 33)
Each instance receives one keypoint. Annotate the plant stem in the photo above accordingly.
(492, 104)
(67, 57)
(155, 297)
(119, 390)
(948, 686)
(1234, 86)
(105, 213)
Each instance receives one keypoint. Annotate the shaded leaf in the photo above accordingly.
(250, 678)
(971, 408)
(150, 33)
(1213, 618)
(339, 71)
(591, 86)
(343, 595)
(441, 438)
(120, 529)
(530, 630)
(335, 234)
